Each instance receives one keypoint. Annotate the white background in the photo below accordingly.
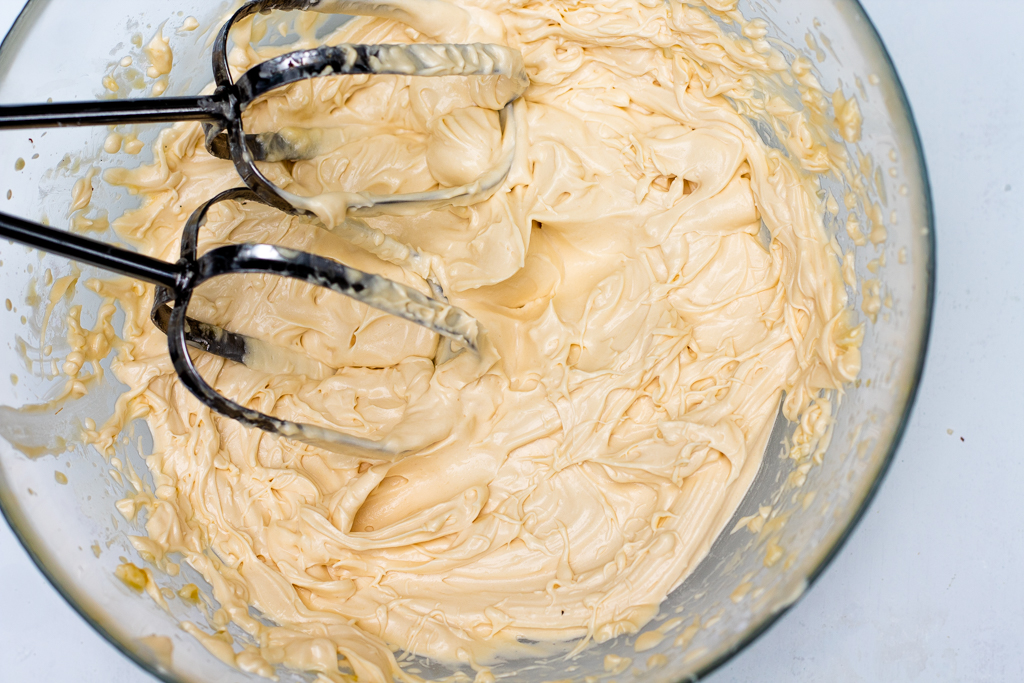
(929, 588)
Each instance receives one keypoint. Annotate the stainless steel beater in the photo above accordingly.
(221, 114)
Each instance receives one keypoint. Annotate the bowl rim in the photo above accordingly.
(756, 630)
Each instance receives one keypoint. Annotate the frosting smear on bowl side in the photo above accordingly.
(639, 335)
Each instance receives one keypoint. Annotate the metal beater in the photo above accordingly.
(221, 114)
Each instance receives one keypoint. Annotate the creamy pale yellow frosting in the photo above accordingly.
(639, 334)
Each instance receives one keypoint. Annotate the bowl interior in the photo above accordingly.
(59, 496)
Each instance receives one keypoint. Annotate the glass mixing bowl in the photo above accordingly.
(59, 498)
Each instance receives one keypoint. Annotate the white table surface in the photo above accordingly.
(929, 587)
